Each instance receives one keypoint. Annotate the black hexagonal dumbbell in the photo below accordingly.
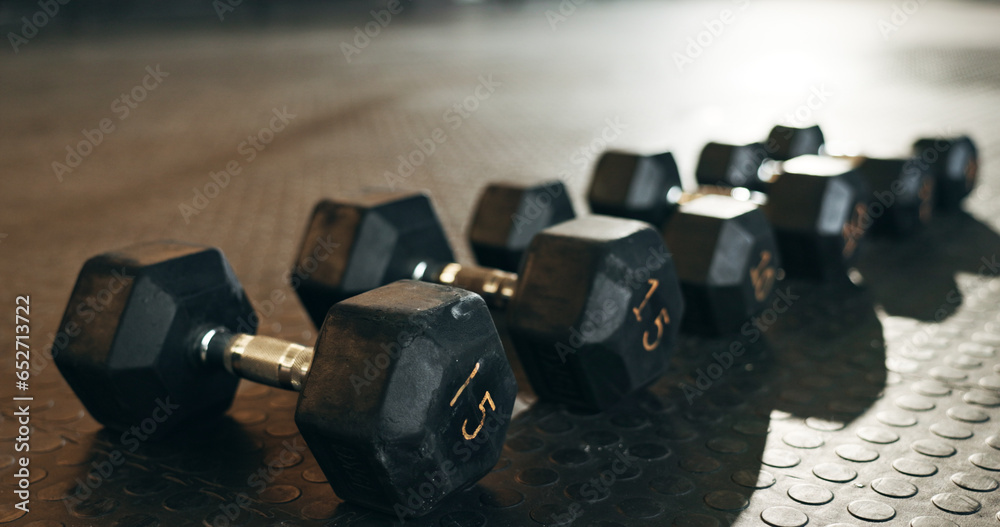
(737, 165)
(404, 400)
(715, 239)
(938, 173)
(726, 254)
(509, 215)
(732, 165)
(900, 194)
(785, 142)
(817, 207)
(903, 189)
(954, 162)
(593, 314)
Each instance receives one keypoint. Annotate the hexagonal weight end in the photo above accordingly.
(635, 186)
(127, 340)
(954, 161)
(786, 142)
(818, 208)
(732, 165)
(355, 245)
(902, 195)
(409, 396)
(509, 215)
(727, 261)
(597, 310)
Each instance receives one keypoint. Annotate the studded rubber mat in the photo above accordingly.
(873, 403)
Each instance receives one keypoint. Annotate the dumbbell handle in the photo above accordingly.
(495, 286)
(740, 194)
(265, 360)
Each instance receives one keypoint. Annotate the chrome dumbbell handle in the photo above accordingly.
(265, 360)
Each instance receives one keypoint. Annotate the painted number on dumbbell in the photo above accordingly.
(482, 406)
(762, 276)
(854, 229)
(926, 195)
(661, 320)
(971, 168)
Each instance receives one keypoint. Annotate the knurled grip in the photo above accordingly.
(268, 360)
(495, 286)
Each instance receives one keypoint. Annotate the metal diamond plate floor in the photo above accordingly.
(870, 404)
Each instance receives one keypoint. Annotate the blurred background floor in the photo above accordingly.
(564, 86)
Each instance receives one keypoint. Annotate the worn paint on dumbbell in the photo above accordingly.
(855, 228)
(120, 280)
(763, 276)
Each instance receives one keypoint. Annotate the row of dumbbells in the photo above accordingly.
(759, 211)
(406, 396)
